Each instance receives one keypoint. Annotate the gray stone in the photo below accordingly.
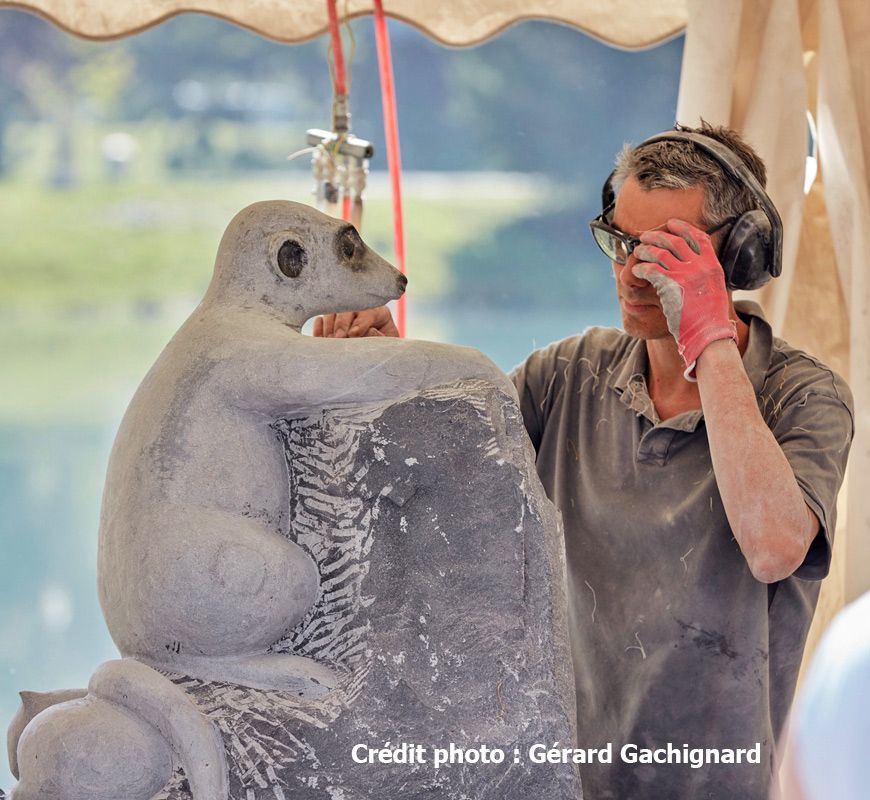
(310, 544)
(441, 604)
(196, 485)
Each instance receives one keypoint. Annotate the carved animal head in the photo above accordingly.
(298, 261)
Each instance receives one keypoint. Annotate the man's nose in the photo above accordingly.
(625, 276)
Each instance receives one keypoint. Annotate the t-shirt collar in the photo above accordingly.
(756, 358)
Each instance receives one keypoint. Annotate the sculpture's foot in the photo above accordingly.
(33, 703)
(277, 671)
(91, 748)
(123, 739)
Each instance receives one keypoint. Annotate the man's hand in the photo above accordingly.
(353, 324)
(682, 266)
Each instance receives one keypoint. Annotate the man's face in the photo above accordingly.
(638, 210)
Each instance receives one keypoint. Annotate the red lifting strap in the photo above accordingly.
(391, 134)
(391, 126)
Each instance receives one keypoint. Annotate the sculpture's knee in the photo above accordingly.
(91, 748)
(275, 580)
(234, 588)
(240, 570)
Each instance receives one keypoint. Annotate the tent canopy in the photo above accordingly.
(457, 23)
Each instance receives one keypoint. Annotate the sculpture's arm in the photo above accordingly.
(308, 374)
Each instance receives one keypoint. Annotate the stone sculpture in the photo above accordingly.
(310, 544)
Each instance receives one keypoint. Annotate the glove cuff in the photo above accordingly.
(693, 349)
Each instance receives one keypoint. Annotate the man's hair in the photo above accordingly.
(678, 165)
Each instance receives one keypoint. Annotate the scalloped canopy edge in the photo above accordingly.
(630, 24)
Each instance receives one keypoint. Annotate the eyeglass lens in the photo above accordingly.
(614, 246)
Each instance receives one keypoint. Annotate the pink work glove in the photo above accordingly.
(682, 266)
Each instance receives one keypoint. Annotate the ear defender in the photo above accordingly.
(751, 253)
(747, 253)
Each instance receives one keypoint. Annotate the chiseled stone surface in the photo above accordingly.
(441, 605)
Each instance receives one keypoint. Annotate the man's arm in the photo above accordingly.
(353, 324)
(766, 509)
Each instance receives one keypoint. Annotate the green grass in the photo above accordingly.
(75, 369)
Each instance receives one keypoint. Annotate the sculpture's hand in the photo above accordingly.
(353, 324)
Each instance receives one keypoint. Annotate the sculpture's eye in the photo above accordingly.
(291, 258)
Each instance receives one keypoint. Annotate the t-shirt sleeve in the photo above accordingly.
(815, 432)
(535, 379)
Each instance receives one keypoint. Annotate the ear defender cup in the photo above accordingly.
(746, 252)
(751, 253)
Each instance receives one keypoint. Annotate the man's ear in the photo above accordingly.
(292, 258)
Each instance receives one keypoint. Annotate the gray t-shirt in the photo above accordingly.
(673, 640)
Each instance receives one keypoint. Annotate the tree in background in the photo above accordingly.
(34, 61)
(540, 98)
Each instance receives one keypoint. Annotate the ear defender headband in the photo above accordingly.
(751, 253)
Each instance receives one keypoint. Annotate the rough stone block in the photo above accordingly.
(441, 606)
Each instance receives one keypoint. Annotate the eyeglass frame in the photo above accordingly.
(627, 239)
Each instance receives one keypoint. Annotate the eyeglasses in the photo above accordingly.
(618, 245)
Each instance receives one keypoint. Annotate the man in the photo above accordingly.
(696, 460)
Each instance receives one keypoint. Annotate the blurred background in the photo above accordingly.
(120, 165)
